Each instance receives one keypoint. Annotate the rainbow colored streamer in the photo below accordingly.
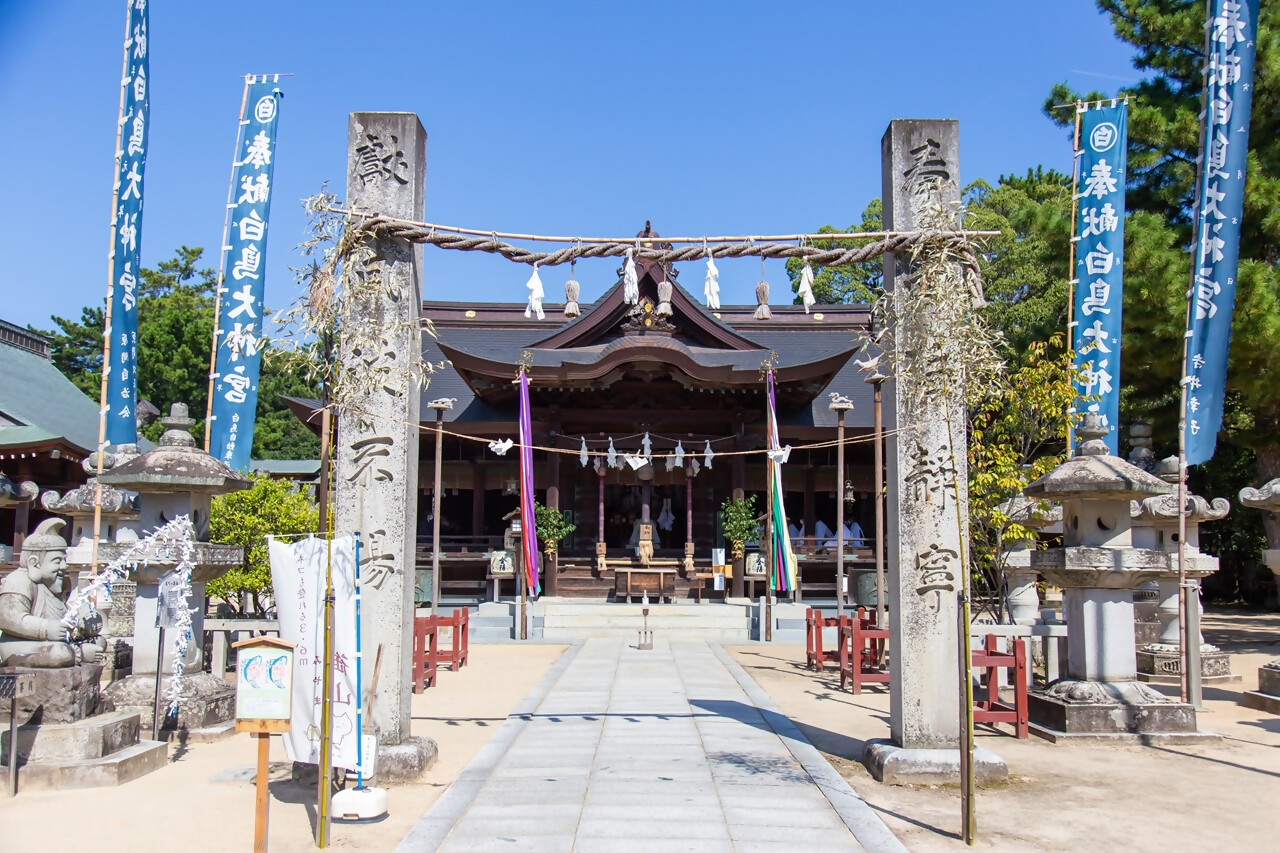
(528, 521)
(783, 563)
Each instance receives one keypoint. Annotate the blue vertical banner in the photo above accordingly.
(239, 335)
(1215, 255)
(126, 234)
(1099, 273)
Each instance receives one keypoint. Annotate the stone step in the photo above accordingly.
(722, 635)
(114, 769)
(85, 739)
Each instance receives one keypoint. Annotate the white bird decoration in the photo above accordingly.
(536, 294)
(630, 281)
(806, 287)
(707, 455)
(582, 454)
(870, 364)
(840, 400)
(613, 454)
(711, 287)
(501, 447)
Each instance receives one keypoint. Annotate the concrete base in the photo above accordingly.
(83, 740)
(405, 762)
(206, 700)
(1070, 707)
(1126, 738)
(1259, 701)
(1159, 663)
(208, 734)
(893, 765)
(115, 769)
(64, 695)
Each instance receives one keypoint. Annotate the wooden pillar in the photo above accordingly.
(600, 516)
(553, 502)
(688, 506)
(477, 498)
(810, 504)
(739, 491)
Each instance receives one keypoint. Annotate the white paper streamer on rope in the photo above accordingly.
(781, 455)
(582, 454)
(707, 456)
(630, 281)
(501, 447)
(636, 462)
(536, 294)
(711, 287)
(671, 463)
(598, 464)
(613, 454)
(172, 543)
(694, 466)
(646, 447)
(806, 286)
(679, 455)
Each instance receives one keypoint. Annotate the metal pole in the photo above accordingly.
(155, 707)
(435, 519)
(840, 588)
(326, 443)
(323, 791)
(880, 543)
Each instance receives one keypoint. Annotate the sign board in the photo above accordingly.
(264, 684)
(501, 564)
(171, 601)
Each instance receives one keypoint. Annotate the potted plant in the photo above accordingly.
(739, 524)
(552, 526)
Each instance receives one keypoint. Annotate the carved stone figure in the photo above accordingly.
(31, 609)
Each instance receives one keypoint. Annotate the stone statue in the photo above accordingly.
(31, 609)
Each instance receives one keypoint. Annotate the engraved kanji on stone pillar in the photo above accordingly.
(926, 468)
(377, 477)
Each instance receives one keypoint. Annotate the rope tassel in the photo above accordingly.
(762, 301)
(571, 292)
(806, 286)
(536, 295)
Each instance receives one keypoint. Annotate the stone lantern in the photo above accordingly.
(176, 478)
(1267, 696)
(1098, 567)
(1155, 526)
(1020, 577)
(118, 524)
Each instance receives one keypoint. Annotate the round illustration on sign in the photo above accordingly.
(276, 671)
(265, 110)
(1103, 137)
(253, 669)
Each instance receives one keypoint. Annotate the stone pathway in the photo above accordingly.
(671, 749)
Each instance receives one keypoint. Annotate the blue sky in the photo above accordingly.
(565, 118)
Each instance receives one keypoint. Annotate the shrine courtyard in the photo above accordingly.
(1131, 797)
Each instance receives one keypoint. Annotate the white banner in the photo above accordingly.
(298, 579)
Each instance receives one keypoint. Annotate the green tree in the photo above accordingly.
(246, 518)
(175, 327)
(1016, 434)
(837, 285)
(1164, 139)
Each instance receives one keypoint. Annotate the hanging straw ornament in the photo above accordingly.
(762, 297)
(679, 455)
(707, 456)
(806, 286)
(664, 299)
(582, 454)
(711, 287)
(630, 281)
(612, 455)
(536, 295)
(571, 292)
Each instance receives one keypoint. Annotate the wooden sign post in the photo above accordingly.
(264, 705)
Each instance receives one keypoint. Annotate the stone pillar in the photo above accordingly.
(1267, 696)
(377, 476)
(927, 474)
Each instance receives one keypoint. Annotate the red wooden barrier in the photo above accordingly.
(460, 626)
(862, 645)
(987, 707)
(815, 657)
(425, 652)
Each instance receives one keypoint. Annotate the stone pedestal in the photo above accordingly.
(65, 695)
(1267, 696)
(927, 479)
(376, 481)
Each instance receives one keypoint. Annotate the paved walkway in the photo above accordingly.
(671, 749)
